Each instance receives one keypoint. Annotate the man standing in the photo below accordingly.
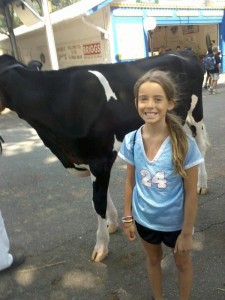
(206, 66)
(214, 73)
(7, 260)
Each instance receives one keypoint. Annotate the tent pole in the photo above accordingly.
(50, 36)
(11, 32)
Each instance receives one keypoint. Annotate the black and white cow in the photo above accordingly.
(80, 112)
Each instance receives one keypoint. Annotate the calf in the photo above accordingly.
(80, 112)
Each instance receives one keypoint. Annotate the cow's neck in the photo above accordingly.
(11, 67)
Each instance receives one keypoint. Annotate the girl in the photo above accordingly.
(161, 181)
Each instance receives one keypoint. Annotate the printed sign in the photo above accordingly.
(92, 49)
(79, 52)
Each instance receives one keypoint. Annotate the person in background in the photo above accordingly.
(207, 83)
(162, 50)
(161, 181)
(7, 260)
(35, 65)
(214, 74)
(178, 48)
(189, 49)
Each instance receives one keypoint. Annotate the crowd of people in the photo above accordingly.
(163, 49)
(212, 70)
(212, 65)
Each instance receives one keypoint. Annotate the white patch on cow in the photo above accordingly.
(117, 144)
(82, 166)
(201, 139)
(190, 119)
(80, 173)
(93, 178)
(194, 100)
(108, 91)
(180, 57)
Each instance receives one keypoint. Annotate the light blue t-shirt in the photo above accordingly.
(158, 196)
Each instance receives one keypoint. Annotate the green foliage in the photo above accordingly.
(15, 21)
(3, 26)
(56, 5)
(59, 4)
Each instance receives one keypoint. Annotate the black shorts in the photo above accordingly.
(157, 237)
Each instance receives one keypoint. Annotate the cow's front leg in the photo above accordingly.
(101, 249)
(104, 228)
(202, 187)
(100, 180)
(112, 215)
(202, 142)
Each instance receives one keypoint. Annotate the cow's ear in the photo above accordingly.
(171, 105)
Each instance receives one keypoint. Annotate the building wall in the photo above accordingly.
(178, 2)
(184, 26)
(76, 42)
(193, 36)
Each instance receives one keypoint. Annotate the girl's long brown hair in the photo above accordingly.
(176, 131)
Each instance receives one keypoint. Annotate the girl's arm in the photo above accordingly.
(184, 241)
(129, 228)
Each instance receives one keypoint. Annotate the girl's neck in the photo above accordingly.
(160, 130)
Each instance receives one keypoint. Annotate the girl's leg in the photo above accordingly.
(210, 80)
(185, 274)
(154, 255)
(206, 80)
(214, 85)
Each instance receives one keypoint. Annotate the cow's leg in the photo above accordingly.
(112, 215)
(200, 135)
(202, 142)
(100, 204)
(100, 175)
(104, 228)
(102, 241)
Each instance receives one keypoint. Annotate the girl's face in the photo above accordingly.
(152, 103)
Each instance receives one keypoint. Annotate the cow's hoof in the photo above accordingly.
(112, 228)
(99, 255)
(202, 191)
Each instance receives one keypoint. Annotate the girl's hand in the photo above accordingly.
(184, 243)
(129, 231)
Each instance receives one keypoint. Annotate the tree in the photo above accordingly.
(9, 20)
(56, 5)
(14, 20)
(59, 4)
